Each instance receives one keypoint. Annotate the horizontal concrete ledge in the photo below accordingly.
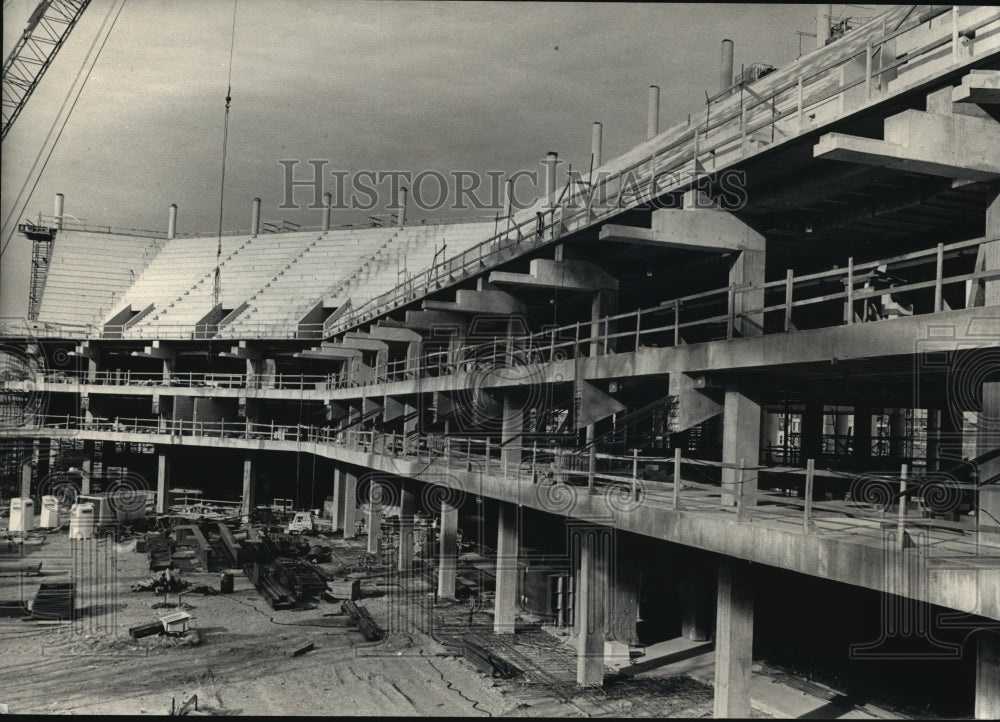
(968, 584)
(907, 336)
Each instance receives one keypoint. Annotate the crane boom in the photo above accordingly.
(48, 27)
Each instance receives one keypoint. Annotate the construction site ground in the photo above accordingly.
(243, 664)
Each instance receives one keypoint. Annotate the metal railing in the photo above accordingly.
(748, 492)
(797, 89)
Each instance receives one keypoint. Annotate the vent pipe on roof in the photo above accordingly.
(327, 203)
(595, 143)
(172, 222)
(58, 212)
(551, 161)
(726, 69)
(653, 113)
(823, 15)
(401, 218)
(255, 218)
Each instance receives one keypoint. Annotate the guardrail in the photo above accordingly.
(901, 503)
(797, 89)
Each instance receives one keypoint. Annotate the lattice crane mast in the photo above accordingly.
(48, 27)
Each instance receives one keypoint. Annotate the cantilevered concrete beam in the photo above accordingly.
(241, 350)
(361, 341)
(953, 146)
(430, 320)
(329, 353)
(468, 301)
(708, 230)
(595, 405)
(156, 351)
(981, 87)
(394, 334)
(562, 275)
(694, 404)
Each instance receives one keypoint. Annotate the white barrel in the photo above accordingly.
(81, 521)
(50, 513)
(22, 514)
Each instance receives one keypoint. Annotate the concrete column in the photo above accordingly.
(987, 675)
(168, 369)
(897, 432)
(596, 142)
(695, 602)
(512, 427)
(653, 112)
(505, 597)
(407, 509)
(991, 251)
(162, 480)
(449, 550)
(811, 440)
(842, 427)
(862, 432)
(733, 638)
(255, 218)
(987, 439)
(823, 15)
(172, 222)
(337, 519)
(350, 493)
(43, 459)
(740, 442)
(92, 362)
(375, 518)
(87, 466)
(249, 484)
(327, 203)
(748, 267)
(591, 591)
(57, 210)
(26, 473)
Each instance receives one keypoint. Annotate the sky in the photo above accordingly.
(373, 85)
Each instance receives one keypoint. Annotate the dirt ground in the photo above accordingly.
(241, 665)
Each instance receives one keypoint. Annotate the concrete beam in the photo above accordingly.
(595, 405)
(707, 230)
(478, 302)
(395, 334)
(156, 351)
(733, 639)
(358, 340)
(694, 403)
(430, 320)
(953, 146)
(330, 353)
(562, 275)
(978, 87)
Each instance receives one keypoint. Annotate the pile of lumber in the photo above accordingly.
(276, 594)
(54, 601)
(364, 620)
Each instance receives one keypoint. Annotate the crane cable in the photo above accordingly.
(15, 214)
(217, 286)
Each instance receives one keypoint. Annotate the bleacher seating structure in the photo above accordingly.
(90, 272)
(279, 277)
